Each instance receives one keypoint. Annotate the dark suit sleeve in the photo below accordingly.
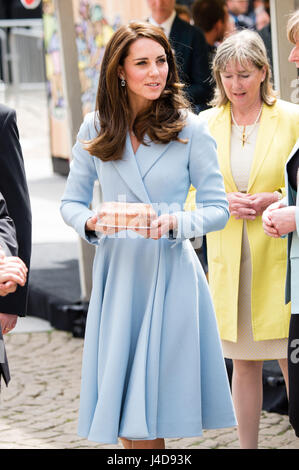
(192, 58)
(8, 242)
(13, 186)
(8, 238)
(201, 84)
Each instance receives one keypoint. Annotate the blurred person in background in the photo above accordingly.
(249, 14)
(261, 11)
(212, 17)
(264, 29)
(238, 10)
(190, 49)
(183, 12)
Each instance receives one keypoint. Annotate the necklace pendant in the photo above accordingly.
(243, 138)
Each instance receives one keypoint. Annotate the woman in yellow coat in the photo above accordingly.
(255, 133)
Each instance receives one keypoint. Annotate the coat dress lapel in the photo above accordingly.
(149, 154)
(268, 127)
(221, 130)
(266, 133)
(133, 173)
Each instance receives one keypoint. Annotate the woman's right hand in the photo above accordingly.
(240, 206)
(92, 224)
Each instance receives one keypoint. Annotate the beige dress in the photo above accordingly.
(245, 347)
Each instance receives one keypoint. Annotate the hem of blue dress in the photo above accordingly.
(166, 435)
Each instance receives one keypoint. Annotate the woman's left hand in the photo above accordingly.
(260, 201)
(162, 225)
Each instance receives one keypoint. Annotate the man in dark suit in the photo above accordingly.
(12, 272)
(13, 187)
(212, 17)
(191, 51)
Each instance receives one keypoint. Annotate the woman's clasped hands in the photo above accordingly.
(249, 206)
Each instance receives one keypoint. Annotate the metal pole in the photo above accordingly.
(4, 56)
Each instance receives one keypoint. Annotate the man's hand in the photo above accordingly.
(12, 272)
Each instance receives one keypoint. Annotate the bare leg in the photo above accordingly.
(155, 444)
(283, 363)
(126, 443)
(247, 392)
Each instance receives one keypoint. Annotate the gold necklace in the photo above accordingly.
(245, 137)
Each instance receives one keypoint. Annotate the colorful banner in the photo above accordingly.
(56, 101)
(92, 34)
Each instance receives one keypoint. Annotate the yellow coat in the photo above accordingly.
(278, 132)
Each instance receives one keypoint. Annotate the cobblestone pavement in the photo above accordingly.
(39, 408)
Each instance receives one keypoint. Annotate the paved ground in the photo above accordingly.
(39, 408)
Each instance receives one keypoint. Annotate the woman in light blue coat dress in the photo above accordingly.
(152, 362)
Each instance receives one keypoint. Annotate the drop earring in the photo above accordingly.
(123, 82)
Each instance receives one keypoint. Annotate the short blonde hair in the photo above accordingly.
(293, 27)
(242, 47)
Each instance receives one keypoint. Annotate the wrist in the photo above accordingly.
(90, 225)
(277, 196)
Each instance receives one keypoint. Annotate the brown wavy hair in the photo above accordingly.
(163, 120)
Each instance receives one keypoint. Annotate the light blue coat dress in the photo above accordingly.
(152, 362)
(292, 284)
